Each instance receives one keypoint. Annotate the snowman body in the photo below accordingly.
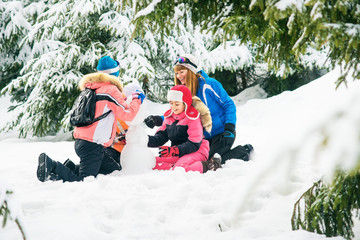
(136, 157)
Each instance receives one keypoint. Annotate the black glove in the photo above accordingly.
(152, 121)
(228, 136)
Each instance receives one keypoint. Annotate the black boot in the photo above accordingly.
(69, 164)
(212, 164)
(238, 152)
(249, 148)
(45, 168)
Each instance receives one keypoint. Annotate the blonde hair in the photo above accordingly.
(191, 80)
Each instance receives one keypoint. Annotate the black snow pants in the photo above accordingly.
(225, 151)
(94, 159)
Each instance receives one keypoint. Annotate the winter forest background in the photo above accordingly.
(275, 45)
(46, 46)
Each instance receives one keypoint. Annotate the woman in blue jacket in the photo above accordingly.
(221, 106)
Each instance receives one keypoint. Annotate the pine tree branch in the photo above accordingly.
(20, 228)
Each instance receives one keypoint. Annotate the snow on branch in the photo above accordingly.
(147, 10)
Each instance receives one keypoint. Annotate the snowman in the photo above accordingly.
(136, 157)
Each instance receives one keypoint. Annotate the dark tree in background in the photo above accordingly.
(281, 34)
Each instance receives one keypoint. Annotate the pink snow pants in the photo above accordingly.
(190, 162)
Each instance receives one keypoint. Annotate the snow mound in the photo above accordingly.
(255, 92)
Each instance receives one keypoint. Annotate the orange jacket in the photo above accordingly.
(119, 142)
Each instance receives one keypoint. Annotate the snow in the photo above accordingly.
(237, 54)
(255, 92)
(284, 4)
(243, 200)
(150, 8)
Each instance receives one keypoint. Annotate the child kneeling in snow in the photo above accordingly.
(182, 126)
(91, 141)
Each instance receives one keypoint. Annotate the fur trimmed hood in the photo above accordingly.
(99, 78)
(204, 111)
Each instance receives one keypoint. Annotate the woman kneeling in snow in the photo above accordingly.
(182, 126)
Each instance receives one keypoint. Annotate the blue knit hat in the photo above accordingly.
(108, 65)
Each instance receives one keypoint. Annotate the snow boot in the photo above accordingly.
(249, 148)
(212, 164)
(45, 168)
(69, 164)
(238, 152)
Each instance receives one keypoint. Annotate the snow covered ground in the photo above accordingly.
(244, 200)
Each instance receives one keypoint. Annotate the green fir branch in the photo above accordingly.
(5, 213)
(329, 208)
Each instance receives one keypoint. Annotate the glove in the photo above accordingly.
(228, 136)
(139, 95)
(152, 121)
(122, 139)
(165, 151)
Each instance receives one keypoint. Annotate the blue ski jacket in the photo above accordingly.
(221, 106)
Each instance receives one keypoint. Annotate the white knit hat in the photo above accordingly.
(189, 61)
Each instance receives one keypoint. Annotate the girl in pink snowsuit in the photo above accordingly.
(182, 126)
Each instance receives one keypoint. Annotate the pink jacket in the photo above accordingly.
(103, 131)
(184, 132)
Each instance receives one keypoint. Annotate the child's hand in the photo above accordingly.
(165, 151)
(138, 94)
(122, 139)
(153, 120)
